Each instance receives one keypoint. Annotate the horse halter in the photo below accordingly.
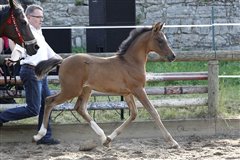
(12, 20)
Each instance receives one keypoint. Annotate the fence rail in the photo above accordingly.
(150, 91)
(184, 56)
(110, 105)
(150, 77)
(181, 56)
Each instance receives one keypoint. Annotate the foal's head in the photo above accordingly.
(158, 43)
(16, 27)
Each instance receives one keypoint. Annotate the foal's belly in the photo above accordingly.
(115, 88)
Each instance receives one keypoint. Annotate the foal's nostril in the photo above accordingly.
(171, 58)
(174, 56)
(36, 47)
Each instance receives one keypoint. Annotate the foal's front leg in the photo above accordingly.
(142, 97)
(81, 108)
(133, 114)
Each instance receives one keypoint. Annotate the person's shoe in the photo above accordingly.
(49, 141)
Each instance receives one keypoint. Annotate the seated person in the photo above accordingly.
(6, 47)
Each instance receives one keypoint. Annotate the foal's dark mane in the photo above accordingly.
(132, 36)
(4, 11)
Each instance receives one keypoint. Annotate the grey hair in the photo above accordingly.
(30, 9)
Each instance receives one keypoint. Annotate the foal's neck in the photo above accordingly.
(138, 51)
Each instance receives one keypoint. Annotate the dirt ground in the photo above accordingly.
(192, 148)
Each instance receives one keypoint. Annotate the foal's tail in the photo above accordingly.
(44, 67)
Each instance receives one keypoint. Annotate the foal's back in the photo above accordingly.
(111, 74)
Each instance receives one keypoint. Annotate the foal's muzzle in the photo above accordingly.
(171, 58)
(36, 47)
(31, 47)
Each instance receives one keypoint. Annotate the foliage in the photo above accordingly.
(79, 2)
(79, 50)
(229, 98)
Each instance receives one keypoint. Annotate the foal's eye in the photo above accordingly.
(160, 40)
(24, 23)
(18, 12)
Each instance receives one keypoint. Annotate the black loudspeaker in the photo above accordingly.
(109, 13)
(112, 12)
(105, 40)
(60, 40)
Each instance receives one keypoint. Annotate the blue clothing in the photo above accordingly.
(36, 92)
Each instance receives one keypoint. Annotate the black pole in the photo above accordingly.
(122, 110)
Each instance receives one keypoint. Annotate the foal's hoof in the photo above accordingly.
(107, 143)
(175, 146)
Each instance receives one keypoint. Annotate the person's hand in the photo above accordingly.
(8, 62)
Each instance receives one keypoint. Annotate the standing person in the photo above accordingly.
(36, 90)
(6, 47)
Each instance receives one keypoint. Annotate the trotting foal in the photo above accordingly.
(122, 74)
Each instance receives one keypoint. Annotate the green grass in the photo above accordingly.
(79, 50)
(229, 88)
(229, 103)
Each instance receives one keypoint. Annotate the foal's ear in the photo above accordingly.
(13, 3)
(158, 27)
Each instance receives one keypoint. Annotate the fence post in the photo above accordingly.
(213, 88)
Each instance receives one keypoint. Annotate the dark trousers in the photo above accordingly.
(36, 92)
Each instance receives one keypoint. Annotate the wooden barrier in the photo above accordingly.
(213, 85)
(211, 76)
(150, 91)
(110, 105)
(151, 77)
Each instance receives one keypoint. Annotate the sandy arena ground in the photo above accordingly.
(192, 148)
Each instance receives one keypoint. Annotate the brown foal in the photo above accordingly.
(122, 74)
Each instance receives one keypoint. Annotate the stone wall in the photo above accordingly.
(172, 12)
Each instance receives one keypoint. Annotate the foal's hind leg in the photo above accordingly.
(133, 113)
(50, 102)
(81, 107)
(142, 97)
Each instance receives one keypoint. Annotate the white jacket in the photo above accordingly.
(44, 52)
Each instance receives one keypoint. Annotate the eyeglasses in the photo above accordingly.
(37, 16)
